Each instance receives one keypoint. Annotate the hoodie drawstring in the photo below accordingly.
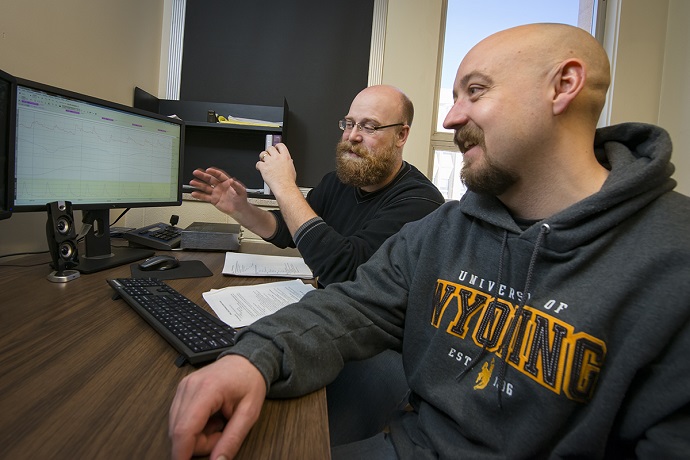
(505, 347)
(482, 352)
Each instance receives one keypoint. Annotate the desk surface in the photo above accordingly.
(83, 376)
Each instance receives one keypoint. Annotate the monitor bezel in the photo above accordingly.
(6, 206)
(80, 97)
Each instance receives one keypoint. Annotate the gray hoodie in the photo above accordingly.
(568, 338)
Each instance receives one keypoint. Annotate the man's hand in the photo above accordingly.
(277, 169)
(215, 186)
(230, 389)
(229, 195)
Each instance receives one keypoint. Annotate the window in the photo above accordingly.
(464, 27)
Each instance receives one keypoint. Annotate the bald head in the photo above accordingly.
(390, 100)
(539, 49)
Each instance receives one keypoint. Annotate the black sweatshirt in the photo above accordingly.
(352, 224)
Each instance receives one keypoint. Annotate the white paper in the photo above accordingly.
(240, 306)
(241, 264)
(252, 122)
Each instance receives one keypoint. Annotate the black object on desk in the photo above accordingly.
(159, 263)
(186, 269)
(210, 236)
(195, 333)
(157, 236)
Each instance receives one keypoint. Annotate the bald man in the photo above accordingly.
(372, 193)
(545, 315)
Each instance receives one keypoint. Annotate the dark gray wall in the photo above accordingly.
(313, 53)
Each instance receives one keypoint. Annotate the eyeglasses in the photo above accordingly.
(347, 125)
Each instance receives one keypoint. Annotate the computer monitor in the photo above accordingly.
(6, 144)
(98, 155)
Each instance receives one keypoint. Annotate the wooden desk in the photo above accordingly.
(83, 376)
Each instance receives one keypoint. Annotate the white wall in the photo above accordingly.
(652, 72)
(409, 62)
(97, 47)
(103, 48)
(674, 106)
(639, 61)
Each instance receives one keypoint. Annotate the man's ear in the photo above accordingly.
(401, 136)
(568, 82)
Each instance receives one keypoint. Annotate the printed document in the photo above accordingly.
(240, 306)
(241, 264)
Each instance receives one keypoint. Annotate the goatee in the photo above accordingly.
(487, 179)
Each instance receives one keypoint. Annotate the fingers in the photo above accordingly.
(195, 423)
(217, 175)
(211, 176)
(188, 428)
(207, 180)
(267, 153)
(237, 186)
(274, 151)
(231, 385)
(246, 412)
(237, 429)
(203, 181)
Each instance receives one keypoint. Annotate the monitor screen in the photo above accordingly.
(96, 154)
(93, 153)
(6, 145)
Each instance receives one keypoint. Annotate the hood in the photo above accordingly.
(638, 156)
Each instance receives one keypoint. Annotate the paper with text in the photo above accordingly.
(240, 264)
(240, 306)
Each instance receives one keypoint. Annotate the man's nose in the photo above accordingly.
(457, 116)
(355, 134)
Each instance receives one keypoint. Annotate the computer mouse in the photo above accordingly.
(160, 262)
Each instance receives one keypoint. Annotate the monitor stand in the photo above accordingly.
(100, 255)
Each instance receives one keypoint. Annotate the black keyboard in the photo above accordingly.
(195, 333)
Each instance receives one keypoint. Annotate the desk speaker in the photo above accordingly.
(62, 241)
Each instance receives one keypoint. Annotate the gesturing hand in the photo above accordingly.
(215, 186)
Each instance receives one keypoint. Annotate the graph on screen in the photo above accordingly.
(86, 153)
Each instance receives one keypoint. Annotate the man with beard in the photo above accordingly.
(339, 225)
(353, 210)
(544, 315)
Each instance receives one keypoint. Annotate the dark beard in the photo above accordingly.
(371, 169)
(490, 180)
